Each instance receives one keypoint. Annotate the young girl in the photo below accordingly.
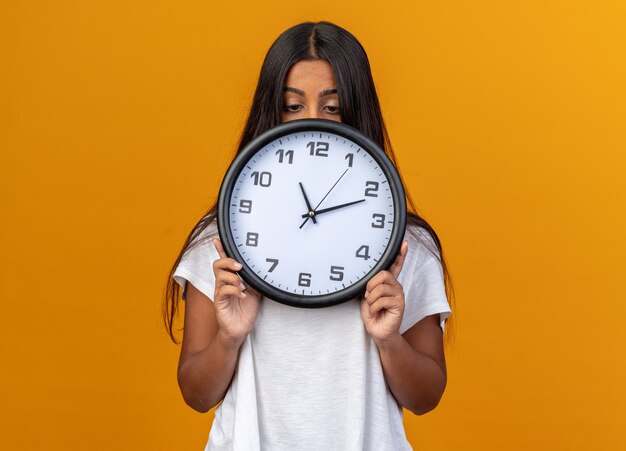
(292, 378)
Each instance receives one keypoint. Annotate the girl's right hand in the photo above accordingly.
(236, 306)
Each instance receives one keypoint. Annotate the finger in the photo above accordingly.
(226, 264)
(383, 277)
(228, 278)
(398, 263)
(391, 304)
(252, 291)
(219, 248)
(383, 291)
(228, 291)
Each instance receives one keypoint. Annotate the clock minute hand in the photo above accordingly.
(331, 188)
(336, 207)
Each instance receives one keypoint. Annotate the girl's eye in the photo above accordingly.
(332, 109)
(293, 108)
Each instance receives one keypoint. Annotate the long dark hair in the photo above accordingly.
(358, 105)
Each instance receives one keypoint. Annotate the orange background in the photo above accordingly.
(118, 119)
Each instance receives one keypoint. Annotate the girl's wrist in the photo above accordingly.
(389, 344)
(228, 342)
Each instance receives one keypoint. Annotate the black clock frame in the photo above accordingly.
(311, 125)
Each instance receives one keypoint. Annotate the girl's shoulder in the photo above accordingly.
(203, 233)
(421, 241)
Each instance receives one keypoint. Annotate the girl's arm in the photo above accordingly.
(413, 362)
(415, 367)
(213, 334)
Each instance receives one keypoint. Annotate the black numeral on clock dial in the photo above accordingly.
(379, 221)
(371, 189)
(245, 206)
(350, 158)
(304, 279)
(363, 252)
(274, 262)
(262, 178)
(282, 154)
(252, 239)
(319, 149)
(336, 273)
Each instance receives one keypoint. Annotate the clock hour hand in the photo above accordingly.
(336, 207)
(310, 213)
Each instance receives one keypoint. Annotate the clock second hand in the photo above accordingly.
(331, 188)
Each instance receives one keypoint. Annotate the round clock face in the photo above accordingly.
(312, 209)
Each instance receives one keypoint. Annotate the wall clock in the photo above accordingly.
(312, 209)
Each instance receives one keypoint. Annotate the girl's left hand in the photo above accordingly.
(382, 306)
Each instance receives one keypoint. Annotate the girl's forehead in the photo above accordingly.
(310, 72)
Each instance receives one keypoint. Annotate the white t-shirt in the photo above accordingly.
(311, 379)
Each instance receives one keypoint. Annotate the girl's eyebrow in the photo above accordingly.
(294, 90)
(300, 92)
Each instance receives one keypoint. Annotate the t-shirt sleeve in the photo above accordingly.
(196, 266)
(423, 283)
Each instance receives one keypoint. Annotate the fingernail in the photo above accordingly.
(242, 295)
(367, 293)
(242, 287)
(237, 265)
